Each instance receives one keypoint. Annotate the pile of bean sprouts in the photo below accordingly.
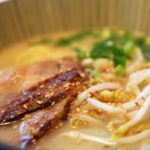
(136, 109)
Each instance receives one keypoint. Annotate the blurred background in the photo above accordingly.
(22, 19)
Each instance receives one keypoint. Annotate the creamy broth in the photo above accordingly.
(30, 52)
(50, 142)
(27, 53)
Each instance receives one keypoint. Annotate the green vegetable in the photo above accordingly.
(100, 50)
(145, 47)
(140, 41)
(120, 60)
(44, 41)
(116, 46)
(75, 38)
(120, 40)
(129, 47)
(81, 54)
(80, 36)
(96, 33)
(95, 73)
(120, 70)
(63, 42)
(146, 51)
(106, 50)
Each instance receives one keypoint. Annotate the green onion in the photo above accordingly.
(146, 52)
(120, 70)
(129, 47)
(106, 50)
(44, 41)
(63, 42)
(81, 54)
(95, 73)
(100, 50)
(75, 38)
(145, 47)
(80, 36)
(120, 60)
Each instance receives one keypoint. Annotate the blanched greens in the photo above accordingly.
(76, 37)
(145, 49)
(117, 47)
(43, 41)
(81, 54)
(108, 49)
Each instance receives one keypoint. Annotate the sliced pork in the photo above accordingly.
(42, 95)
(15, 80)
(39, 122)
